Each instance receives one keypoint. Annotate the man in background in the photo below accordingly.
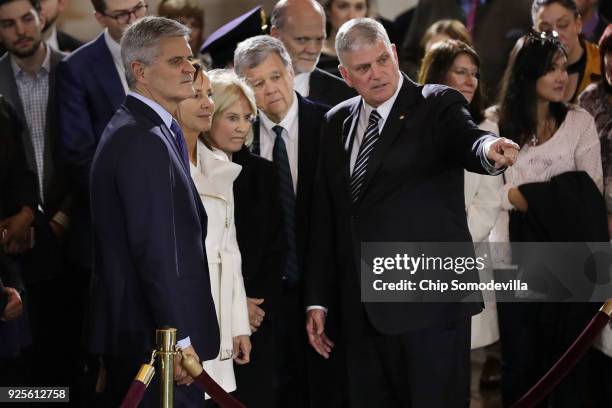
(300, 25)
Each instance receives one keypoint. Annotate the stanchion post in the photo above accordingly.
(166, 350)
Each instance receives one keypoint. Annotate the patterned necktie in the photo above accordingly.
(367, 146)
(180, 142)
(287, 198)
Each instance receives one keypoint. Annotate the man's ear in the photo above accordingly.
(345, 75)
(274, 32)
(139, 72)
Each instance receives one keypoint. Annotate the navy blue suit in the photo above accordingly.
(90, 93)
(150, 267)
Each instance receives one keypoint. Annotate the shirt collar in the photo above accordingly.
(113, 46)
(46, 65)
(385, 108)
(287, 121)
(301, 83)
(165, 116)
(51, 38)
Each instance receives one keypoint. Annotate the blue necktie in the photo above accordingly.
(180, 142)
(367, 146)
(287, 198)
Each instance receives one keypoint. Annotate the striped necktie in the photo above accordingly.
(180, 143)
(367, 146)
(287, 198)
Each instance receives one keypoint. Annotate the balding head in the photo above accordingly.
(300, 25)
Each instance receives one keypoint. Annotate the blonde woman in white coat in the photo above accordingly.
(213, 174)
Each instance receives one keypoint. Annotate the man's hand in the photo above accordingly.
(14, 307)
(15, 231)
(242, 349)
(256, 313)
(315, 327)
(503, 152)
(180, 374)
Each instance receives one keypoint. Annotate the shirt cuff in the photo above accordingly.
(486, 164)
(62, 219)
(314, 307)
(184, 343)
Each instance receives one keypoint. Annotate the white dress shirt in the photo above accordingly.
(115, 50)
(301, 83)
(51, 38)
(290, 124)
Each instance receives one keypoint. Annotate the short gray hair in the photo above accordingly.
(253, 51)
(140, 42)
(358, 32)
(279, 13)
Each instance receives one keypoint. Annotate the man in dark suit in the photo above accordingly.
(391, 170)
(149, 224)
(287, 132)
(27, 81)
(300, 25)
(92, 85)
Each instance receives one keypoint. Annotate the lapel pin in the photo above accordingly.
(402, 117)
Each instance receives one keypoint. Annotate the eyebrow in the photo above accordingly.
(29, 13)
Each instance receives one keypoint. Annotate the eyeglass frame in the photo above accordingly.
(463, 72)
(128, 13)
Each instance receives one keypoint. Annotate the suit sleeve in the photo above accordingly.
(77, 141)
(144, 180)
(457, 135)
(321, 271)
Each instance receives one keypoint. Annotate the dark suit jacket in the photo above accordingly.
(55, 189)
(328, 89)
(66, 42)
(91, 92)
(499, 23)
(150, 265)
(44, 261)
(310, 117)
(413, 192)
(258, 227)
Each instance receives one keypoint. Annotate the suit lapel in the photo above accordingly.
(106, 72)
(306, 152)
(50, 124)
(392, 128)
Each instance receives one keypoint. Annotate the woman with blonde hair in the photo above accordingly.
(213, 174)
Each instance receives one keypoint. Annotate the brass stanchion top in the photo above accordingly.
(166, 339)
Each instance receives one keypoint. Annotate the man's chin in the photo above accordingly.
(25, 53)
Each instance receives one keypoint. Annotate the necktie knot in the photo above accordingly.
(278, 130)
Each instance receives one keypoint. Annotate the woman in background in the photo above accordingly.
(213, 174)
(560, 164)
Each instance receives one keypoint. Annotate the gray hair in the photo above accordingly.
(140, 42)
(279, 13)
(253, 51)
(358, 32)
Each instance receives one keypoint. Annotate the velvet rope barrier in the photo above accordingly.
(207, 384)
(139, 385)
(568, 360)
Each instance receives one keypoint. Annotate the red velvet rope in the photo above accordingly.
(215, 391)
(134, 395)
(565, 363)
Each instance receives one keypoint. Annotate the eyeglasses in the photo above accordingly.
(465, 73)
(123, 17)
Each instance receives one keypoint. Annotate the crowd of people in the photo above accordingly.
(223, 186)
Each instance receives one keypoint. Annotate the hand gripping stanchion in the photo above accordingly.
(140, 384)
(207, 384)
(568, 360)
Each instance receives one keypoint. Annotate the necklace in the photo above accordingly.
(546, 133)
